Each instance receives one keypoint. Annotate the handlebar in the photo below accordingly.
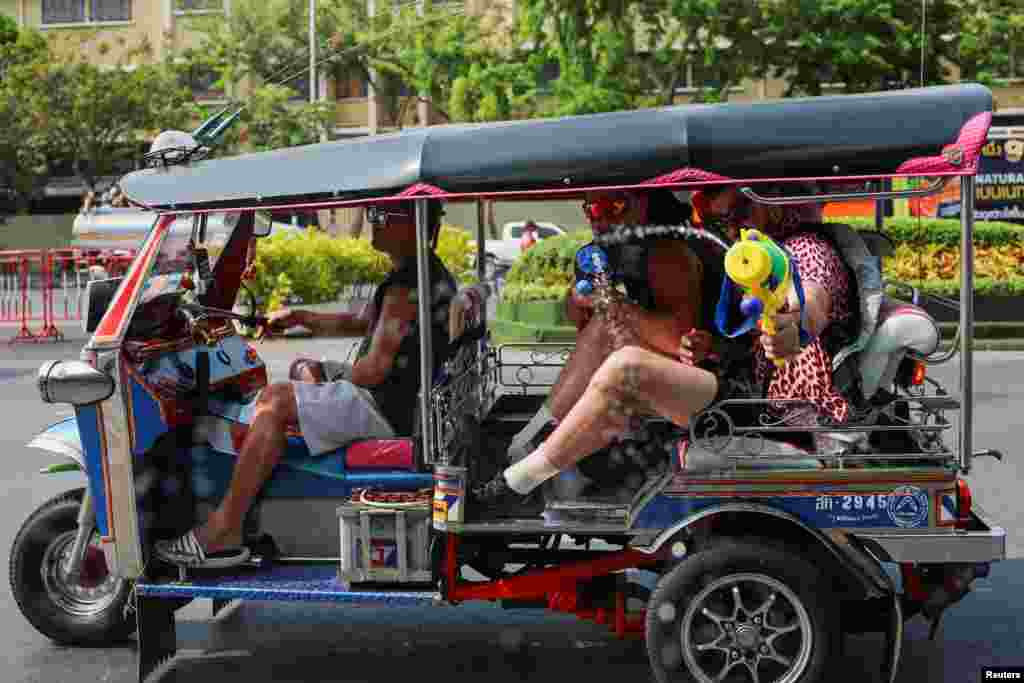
(207, 311)
(189, 311)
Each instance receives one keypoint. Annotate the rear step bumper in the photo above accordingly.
(982, 542)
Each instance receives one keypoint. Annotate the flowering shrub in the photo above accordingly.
(927, 255)
(316, 268)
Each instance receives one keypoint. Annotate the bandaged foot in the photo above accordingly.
(530, 472)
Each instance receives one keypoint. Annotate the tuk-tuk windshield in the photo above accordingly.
(175, 258)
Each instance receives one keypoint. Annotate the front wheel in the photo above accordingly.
(88, 610)
(740, 611)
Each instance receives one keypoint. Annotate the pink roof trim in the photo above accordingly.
(961, 157)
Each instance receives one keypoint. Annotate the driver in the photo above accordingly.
(375, 398)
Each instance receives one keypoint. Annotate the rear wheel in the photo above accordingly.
(86, 610)
(740, 611)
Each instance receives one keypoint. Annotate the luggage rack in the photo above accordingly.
(717, 431)
(530, 375)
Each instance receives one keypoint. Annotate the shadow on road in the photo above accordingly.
(264, 643)
(463, 658)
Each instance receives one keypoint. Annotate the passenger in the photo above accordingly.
(373, 398)
(827, 306)
(530, 236)
(88, 202)
(633, 380)
(666, 283)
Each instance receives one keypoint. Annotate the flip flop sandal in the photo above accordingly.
(187, 552)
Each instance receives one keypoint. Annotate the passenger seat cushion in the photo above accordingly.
(368, 454)
(901, 327)
(381, 454)
(904, 325)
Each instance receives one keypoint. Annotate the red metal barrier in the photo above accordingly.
(63, 269)
(18, 266)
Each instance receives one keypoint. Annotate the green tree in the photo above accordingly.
(465, 67)
(620, 54)
(8, 30)
(271, 120)
(23, 143)
(409, 53)
(865, 44)
(991, 35)
(594, 45)
(722, 42)
(98, 118)
(261, 42)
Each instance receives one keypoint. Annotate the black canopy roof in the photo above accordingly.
(869, 134)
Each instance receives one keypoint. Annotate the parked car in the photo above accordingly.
(502, 253)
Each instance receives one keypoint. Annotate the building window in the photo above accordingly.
(85, 11)
(110, 10)
(188, 6)
(63, 11)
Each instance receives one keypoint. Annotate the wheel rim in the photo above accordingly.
(78, 598)
(746, 627)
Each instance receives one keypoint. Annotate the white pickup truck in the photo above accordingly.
(501, 253)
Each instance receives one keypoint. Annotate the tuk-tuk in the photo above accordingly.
(161, 390)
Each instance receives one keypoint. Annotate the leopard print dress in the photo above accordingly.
(808, 376)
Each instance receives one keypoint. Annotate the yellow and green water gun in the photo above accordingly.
(759, 276)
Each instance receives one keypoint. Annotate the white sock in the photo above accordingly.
(530, 472)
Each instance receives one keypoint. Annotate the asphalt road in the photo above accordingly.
(263, 642)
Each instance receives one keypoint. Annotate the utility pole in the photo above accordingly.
(422, 105)
(312, 51)
(372, 112)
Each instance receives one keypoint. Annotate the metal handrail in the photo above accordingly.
(934, 188)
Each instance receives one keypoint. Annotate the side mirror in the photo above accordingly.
(74, 382)
(262, 225)
(98, 295)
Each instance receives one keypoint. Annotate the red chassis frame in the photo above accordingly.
(557, 586)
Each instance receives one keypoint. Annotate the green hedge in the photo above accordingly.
(545, 271)
(549, 262)
(940, 230)
(316, 268)
(983, 286)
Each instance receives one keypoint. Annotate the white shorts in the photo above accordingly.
(334, 414)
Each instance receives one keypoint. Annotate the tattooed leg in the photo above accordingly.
(603, 335)
(631, 382)
(593, 346)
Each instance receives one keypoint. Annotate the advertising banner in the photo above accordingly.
(999, 187)
(1000, 184)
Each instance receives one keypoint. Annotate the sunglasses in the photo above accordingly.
(605, 208)
(378, 216)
